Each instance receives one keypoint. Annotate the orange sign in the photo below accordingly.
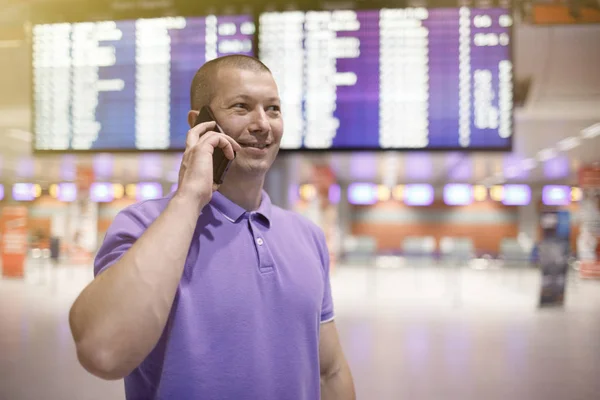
(588, 242)
(589, 177)
(563, 14)
(85, 177)
(14, 240)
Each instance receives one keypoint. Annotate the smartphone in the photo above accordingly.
(220, 162)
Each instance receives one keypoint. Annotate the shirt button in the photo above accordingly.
(259, 241)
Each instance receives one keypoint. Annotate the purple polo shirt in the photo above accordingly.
(245, 321)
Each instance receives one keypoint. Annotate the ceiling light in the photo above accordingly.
(101, 192)
(131, 190)
(458, 194)
(118, 190)
(383, 193)
(556, 195)
(480, 193)
(546, 154)
(53, 190)
(398, 192)
(418, 195)
(591, 131)
(568, 143)
(497, 193)
(528, 164)
(25, 191)
(576, 194)
(516, 195)
(66, 191)
(308, 192)
(362, 193)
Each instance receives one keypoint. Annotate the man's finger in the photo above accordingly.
(236, 146)
(222, 141)
(194, 134)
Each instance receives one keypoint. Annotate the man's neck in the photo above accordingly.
(244, 191)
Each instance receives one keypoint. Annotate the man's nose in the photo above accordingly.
(260, 122)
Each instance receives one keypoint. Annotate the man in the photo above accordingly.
(212, 292)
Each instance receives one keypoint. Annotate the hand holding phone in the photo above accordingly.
(220, 162)
(208, 155)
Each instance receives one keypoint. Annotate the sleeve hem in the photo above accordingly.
(327, 318)
(108, 265)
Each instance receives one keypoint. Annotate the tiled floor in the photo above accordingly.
(411, 333)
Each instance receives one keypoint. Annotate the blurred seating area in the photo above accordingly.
(425, 250)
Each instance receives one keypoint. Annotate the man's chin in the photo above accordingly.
(252, 166)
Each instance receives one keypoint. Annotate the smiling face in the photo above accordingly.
(246, 105)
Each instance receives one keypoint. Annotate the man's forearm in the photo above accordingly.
(119, 317)
(338, 385)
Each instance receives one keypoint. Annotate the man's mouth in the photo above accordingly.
(255, 145)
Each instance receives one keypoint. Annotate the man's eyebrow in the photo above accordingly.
(245, 97)
(240, 97)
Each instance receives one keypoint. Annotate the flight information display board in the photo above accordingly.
(124, 85)
(411, 78)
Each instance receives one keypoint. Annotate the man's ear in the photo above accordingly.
(192, 115)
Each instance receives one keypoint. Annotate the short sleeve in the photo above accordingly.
(327, 311)
(125, 229)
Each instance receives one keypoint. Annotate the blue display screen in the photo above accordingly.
(392, 78)
(124, 85)
(384, 79)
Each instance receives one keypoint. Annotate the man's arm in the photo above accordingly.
(119, 317)
(336, 378)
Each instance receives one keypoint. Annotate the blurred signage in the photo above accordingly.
(589, 177)
(558, 14)
(588, 242)
(14, 240)
(85, 178)
(516, 195)
(556, 195)
(83, 230)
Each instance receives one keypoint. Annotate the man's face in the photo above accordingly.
(247, 106)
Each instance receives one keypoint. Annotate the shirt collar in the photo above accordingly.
(234, 212)
(265, 209)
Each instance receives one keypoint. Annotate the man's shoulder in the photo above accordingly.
(296, 221)
(144, 212)
(310, 233)
(127, 226)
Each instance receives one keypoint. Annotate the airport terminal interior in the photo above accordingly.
(449, 151)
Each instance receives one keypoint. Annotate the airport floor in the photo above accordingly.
(419, 333)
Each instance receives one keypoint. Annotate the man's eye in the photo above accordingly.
(240, 105)
(274, 108)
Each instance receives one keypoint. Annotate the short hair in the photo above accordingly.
(202, 89)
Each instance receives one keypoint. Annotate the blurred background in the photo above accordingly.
(450, 150)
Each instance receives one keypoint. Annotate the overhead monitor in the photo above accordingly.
(417, 78)
(404, 79)
(124, 85)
